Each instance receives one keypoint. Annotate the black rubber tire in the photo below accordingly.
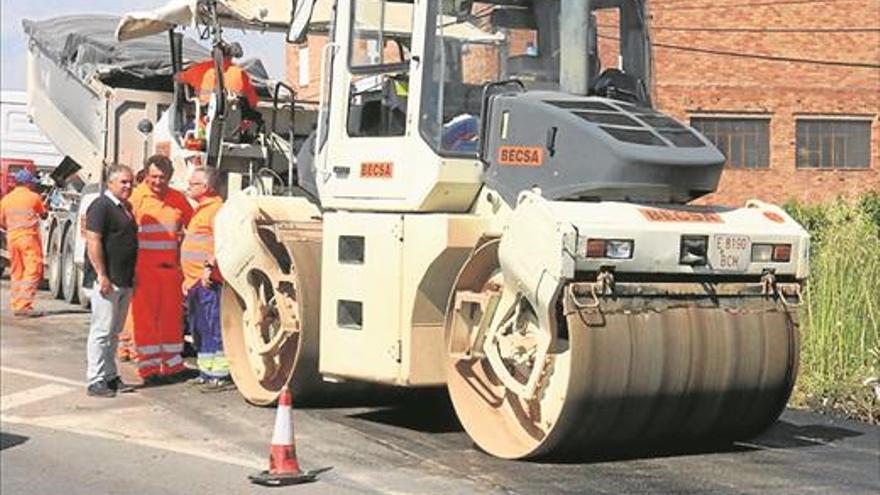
(55, 268)
(83, 294)
(70, 274)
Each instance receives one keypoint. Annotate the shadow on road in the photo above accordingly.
(359, 394)
(430, 411)
(66, 311)
(788, 435)
(9, 440)
(427, 411)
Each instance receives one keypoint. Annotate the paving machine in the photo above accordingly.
(489, 201)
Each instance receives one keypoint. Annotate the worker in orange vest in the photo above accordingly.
(236, 82)
(157, 305)
(201, 284)
(20, 213)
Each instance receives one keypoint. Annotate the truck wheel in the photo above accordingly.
(70, 277)
(54, 272)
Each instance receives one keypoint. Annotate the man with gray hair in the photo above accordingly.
(111, 244)
(201, 283)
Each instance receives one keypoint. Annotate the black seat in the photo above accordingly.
(618, 85)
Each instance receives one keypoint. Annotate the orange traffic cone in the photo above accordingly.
(283, 465)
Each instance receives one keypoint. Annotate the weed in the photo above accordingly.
(840, 348)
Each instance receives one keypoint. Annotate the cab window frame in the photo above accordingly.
(367, 69)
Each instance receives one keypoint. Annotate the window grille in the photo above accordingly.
(745, 143)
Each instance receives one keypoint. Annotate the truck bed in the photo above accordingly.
(88, 92)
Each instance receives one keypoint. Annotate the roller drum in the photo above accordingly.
(295, 361)
(684, 373)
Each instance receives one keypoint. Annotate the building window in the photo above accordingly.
(828, 143)
(745, 143)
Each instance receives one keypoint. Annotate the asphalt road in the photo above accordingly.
(173, 439)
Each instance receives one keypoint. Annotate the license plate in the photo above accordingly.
(730, 252)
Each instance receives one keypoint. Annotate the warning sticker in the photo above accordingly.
(521, 156)
(775, 217)
(377, 170)
(662, 215)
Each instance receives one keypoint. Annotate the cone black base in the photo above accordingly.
(266, 478)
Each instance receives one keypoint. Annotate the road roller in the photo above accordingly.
(489, 201)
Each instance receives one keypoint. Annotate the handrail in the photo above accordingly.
(330, 46)
(271, 130)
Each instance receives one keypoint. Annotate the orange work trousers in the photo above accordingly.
(157, 313)
(125, 349)
(26, 258)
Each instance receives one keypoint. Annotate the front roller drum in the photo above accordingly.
(623, 373)
(270, 333)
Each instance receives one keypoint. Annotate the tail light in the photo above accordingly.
(777, 253)
(610, 248)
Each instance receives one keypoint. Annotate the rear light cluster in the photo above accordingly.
(619, 249)
(779, 253)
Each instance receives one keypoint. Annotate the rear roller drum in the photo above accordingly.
(612, 374)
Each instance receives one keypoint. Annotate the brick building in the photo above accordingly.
(789, 90)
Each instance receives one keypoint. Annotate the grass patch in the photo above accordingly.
(840, 317)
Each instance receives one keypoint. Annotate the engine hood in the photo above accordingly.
(595, 148)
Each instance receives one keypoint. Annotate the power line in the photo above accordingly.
(661, 8)
(757, 30)
(774, 58)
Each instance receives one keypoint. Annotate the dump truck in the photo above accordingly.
(491, 202)
(100, 102)
(88, 97)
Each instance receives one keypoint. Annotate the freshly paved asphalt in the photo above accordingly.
(174, 439)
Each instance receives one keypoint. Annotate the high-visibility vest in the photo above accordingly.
(235, 80)
(20, 211)
(161, 221)
(198, 244)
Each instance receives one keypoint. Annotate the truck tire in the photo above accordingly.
(70, 273)
(55, 268)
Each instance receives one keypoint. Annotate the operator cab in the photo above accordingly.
(425, 103)
(561, 103)
(606, 53)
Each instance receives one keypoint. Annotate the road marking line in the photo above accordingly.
(41, 376)
(178, 446)
(30, 395)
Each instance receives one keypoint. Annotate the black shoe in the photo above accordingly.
(27, 313)
(154, 381)
(180, 376)
(100, 389)
(119, 386)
